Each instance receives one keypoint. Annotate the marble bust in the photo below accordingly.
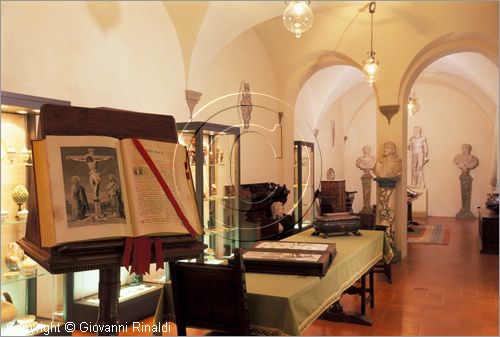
(366, 161)
(465, 160)
(389, 164)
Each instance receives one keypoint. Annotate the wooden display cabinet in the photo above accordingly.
(488, 231)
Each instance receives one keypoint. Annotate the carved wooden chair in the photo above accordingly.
(213, 297)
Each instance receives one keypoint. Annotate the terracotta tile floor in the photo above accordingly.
(437, 290)
(449, 290)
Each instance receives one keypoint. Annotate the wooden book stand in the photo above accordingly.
(104, 255)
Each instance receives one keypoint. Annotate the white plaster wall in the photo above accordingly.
(331, 156)
(115, 54)
(360, 131)
(450, 118)
(245, 58)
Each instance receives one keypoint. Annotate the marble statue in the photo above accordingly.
(466, 162)
(419, 157)
(366, 163)
(389, 164)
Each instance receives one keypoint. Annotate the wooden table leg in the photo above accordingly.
(336, 312)
(109, 290)
(372, 289)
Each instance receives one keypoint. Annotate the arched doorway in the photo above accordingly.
(336, 109)
(457, 101)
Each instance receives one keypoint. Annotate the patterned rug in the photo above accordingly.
(430, 235)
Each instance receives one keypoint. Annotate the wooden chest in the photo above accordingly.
(332, 198)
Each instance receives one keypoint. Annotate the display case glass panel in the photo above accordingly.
(138, 297)
(214, 157)
(304, 184)
(37, 296)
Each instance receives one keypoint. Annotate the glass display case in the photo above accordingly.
(215, 157)
(34, 297)
(138, 298)
(303, 185)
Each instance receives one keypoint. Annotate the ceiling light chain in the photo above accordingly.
(370, 64)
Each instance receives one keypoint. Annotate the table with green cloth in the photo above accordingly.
(291, 302)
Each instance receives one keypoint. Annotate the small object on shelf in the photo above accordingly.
(135, 279)
(14, 256)
(9, 311)
(217, 155)
(5, 214)
(25, 320)
(20, 195)
(22, 215)
(28, 267)
(4, 150)
(25, 155)
(337, 224)
(221, 156)
(492, 202)
(330, 174)
(11, 153)
(205, 152)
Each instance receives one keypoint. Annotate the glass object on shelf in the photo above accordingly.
(25, 155)
(14, 256)
(11, 153)
(214, 157)
(304, 184)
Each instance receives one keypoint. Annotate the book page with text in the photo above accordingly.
(152, 212)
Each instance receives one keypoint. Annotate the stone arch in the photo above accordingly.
(448, 44)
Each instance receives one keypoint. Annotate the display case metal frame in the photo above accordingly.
(298, 192)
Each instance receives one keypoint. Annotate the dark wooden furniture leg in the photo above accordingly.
(336, 312)
(179, 320)
(109, 290)
(372, 289)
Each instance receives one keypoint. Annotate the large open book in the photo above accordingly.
(93, 187)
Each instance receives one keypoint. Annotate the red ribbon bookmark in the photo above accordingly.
(139, 249)
(164, 186)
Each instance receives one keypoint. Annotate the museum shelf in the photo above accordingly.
(21, 278)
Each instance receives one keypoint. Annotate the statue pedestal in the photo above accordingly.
(386, 206)
(466, 191)
(419, 205)
(366, 180)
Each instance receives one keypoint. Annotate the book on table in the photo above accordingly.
(94, 187)
(287, 257)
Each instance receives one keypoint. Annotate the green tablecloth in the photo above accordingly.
(291, 303)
